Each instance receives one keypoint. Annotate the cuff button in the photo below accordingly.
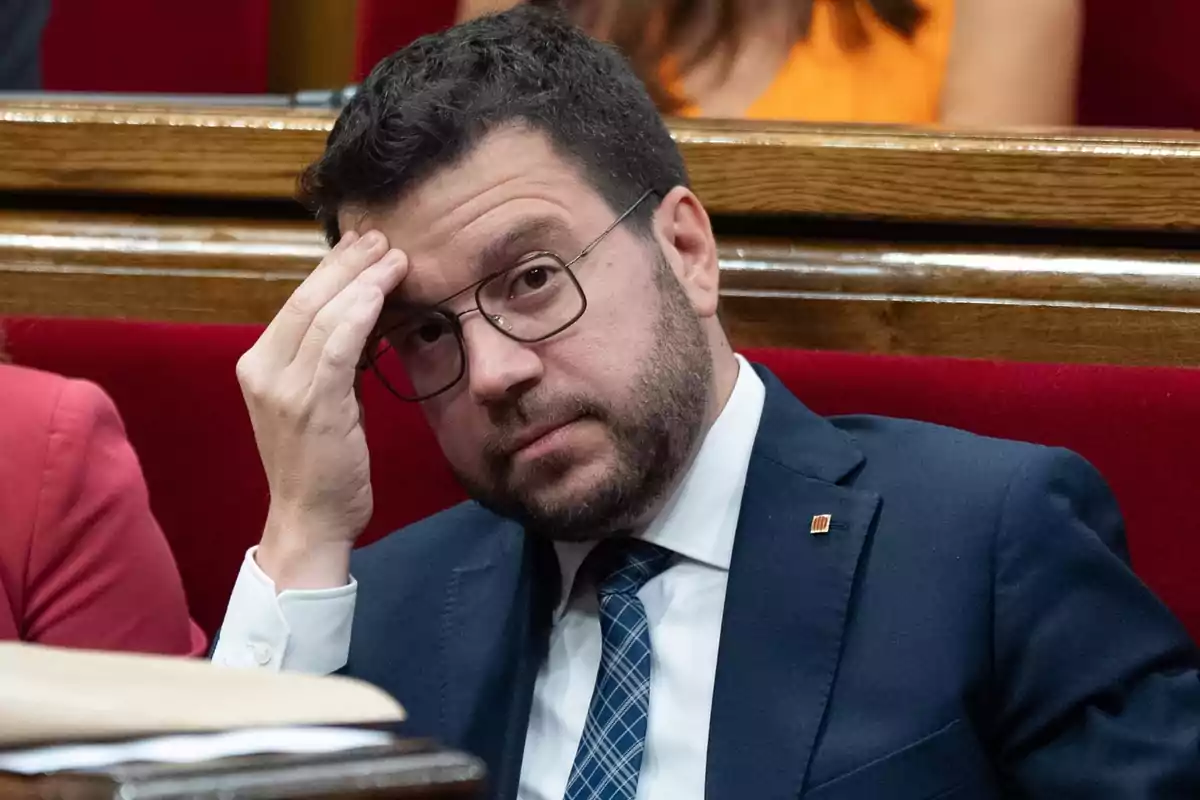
(261, 652)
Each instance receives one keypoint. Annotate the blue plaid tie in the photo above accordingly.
(609, 758)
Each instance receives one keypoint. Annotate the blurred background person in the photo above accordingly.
(21, 25)
(960, 62)
(83, 562)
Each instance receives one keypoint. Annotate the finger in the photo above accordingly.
(336, 373)
(336, 271)
(349, 239)
(382, 277)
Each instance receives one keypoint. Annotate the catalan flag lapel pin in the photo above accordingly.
(820, 524)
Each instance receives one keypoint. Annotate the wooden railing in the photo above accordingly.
(1048, 247)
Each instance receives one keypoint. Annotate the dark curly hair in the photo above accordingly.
(425, 107)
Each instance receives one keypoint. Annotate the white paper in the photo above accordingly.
(190, 748)
(49, 694)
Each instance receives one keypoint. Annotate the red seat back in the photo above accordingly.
(1139, 64)
(214, 47)
(384, 26)
(176, 389)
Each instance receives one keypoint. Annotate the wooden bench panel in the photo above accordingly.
(241, 153)
(194, 270)
(1022, 303)
(1077, 179)
(185, 213)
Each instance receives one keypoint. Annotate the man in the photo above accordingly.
(674, 581)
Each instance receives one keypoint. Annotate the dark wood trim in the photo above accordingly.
(1077, 179)
(1136, 181)
(1022, 303)
(113, 265)
(245, 153)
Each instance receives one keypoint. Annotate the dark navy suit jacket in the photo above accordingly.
(968, 628)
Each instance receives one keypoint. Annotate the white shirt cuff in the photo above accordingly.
(296, 630)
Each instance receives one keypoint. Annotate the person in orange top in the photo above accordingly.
(985, 63)
(83, 563)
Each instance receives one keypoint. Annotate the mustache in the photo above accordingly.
(511, 422)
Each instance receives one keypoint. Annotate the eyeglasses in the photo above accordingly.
(424, 354)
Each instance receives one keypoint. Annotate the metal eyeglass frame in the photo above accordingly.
(370, 358)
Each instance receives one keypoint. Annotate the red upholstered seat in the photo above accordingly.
(214, 47)
(1139, 64)
(384, 26)
(176, 388)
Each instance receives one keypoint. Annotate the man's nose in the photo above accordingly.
(498, 367)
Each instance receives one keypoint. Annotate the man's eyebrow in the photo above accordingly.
(525, 236)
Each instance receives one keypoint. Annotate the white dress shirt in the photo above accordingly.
(310, 630)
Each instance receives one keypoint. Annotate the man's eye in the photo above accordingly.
(417, 335)
(532, 278)
(430, 332)
(427, 333)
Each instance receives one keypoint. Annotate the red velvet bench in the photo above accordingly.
(176, 389)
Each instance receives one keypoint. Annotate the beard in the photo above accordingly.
(653, 436)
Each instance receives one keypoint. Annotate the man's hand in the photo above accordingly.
(299, 384)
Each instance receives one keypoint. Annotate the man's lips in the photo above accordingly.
(532, 435)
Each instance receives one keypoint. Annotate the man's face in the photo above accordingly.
(580, 435)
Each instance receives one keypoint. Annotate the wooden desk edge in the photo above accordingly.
(1100, 179)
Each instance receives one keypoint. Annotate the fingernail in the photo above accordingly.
(372, 239)
(394, 257)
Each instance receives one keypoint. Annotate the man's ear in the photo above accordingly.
(685, 236)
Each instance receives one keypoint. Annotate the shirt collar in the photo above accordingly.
(699, 520)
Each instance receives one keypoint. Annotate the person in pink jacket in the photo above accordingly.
(83, 563)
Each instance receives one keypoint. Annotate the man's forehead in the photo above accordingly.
(435, 274)
(474, 217)
(507, 164)
(512, 214)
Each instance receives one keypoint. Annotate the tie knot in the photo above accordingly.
(624, 566)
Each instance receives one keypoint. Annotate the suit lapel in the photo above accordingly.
(787, 602)
(494, 635)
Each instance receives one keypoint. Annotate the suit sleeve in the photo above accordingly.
(1099, 691)
(100, 573)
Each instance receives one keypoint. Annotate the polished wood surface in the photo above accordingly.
(170, 151)
(1081, 180)
(1135, 181)
(1039, 247)
(194, 270)
(1029, 302)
